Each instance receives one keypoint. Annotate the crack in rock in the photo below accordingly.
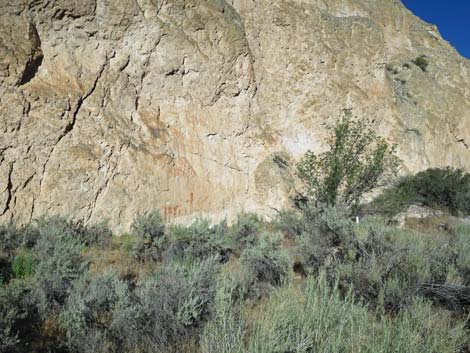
(9, 191)
(82, 100)
(35, 59)
(69, 127)
(459, 139)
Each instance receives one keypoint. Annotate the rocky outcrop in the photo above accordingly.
(201, 107)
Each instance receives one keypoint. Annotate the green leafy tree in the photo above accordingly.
(356, 162)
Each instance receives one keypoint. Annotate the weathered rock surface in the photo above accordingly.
(200, 107)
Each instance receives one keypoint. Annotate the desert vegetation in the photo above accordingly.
(422, 62)
(357, 161)
(311, 280)
(443, 188)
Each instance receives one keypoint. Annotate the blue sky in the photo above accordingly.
(452, 17)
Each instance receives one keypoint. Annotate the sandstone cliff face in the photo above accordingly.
(200, 107)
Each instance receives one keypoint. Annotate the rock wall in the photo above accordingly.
(201, 107)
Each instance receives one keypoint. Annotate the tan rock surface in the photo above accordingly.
(198, 107)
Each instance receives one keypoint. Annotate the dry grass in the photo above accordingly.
(119, 258)
(432, 225)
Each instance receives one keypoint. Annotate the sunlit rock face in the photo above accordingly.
(201, 107)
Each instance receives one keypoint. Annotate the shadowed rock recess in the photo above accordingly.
(201, 107)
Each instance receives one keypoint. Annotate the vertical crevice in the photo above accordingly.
(35, 58)
(9, 191)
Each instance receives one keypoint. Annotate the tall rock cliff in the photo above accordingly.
(200, 107)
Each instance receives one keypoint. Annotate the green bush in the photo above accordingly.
(199, 241)
(58, 254)
(387, 267)
(357, 161)
(151, 228)
(422, 62)
(89, 311)
(246, 229)
(12, 240)
(377, 268)
(290, 223)
(449, 188)
(13, 237)
(19, 320)
(24, 265)
(393, 200)
(444, 187)
(328, 235)
(169, 307)
(9, 315)
(8, 340)
(267, 264)
(97, 234)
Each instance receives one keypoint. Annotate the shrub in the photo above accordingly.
(150, 227)
(444, 187)
(374, 265)
(309, 321)
(290, 223)
(267, 264)
(449, 188)
(24, 265)
(422, 62)
(199, 241)
(169, 307)
(9, 315)
(328, 235)
(13, 237)
(246, 229)
(88, 314)
(420, 329)
(224, 333)
(151, 239)
(357, 161)
(8, 340)
(19, 321)
(388, 267)
(377, 288)
(59, 263)
(12, 240)
(377, 277)
(201, 288)
(394, 200)
(97, 234)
